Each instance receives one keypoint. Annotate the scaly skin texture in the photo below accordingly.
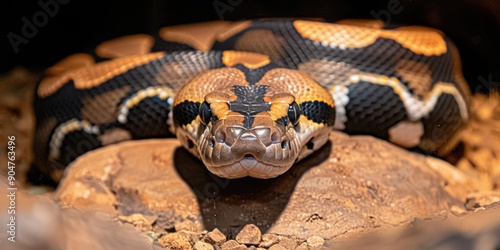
(248, 114)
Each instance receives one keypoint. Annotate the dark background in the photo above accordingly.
(79, 25)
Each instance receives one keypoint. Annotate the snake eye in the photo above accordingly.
(294, 113)
(205, 113)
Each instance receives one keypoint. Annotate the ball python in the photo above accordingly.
(251, 98)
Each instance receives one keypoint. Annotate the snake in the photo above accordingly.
(251, 98)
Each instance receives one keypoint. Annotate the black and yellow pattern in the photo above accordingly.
(251, 98)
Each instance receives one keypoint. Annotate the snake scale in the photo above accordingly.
(250, 98)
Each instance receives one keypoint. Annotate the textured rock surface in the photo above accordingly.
(362, 186)
(16, 118)
(355, 184)
(480, 230)
(249, 235)
(42, 224)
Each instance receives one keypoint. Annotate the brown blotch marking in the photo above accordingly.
(72, 62)
(233, 119)
(406, 133)
(233, 29)
(261, 41)
(177, 74)
(218, 103)
(419, 40)
(417, 75)
(278, 110)
(200, 36)
(93, 76)
(262, 120)
(297, 83)
(283, 98)
(249, 60)
(220, 109)
(115, 135)
(125, 46)
(419, 28)
(221, 80)
(374, 24)
(332, 72)
(280, 103)
(103, 108)
(218, 97)
(49, 85)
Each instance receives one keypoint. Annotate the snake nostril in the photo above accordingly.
(284, 144)
(220, 136)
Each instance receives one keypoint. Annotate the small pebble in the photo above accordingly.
(175, 241)
(250, 235)
(215, 237)
(186, 225)
(302, 246)
(288, 243)
(315, 241)
(255, 248)
(268, 240)
(278, 247)
(200, 245)
(232, 245)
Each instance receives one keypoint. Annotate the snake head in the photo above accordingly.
(247, 133)
(257, 129)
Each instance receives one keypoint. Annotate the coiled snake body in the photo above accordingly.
(251, 98)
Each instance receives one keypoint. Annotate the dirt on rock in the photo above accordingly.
(353, 186)
(357, 191)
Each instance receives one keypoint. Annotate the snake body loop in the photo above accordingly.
(252, 98)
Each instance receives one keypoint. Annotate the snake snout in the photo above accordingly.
(248, 142)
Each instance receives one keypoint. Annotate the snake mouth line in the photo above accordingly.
(248, 166)
(248, 157)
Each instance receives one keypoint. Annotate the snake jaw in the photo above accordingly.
(257, 170)
(257, 152)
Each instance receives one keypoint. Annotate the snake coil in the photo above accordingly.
(251, 98)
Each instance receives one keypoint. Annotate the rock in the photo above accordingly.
(249, 235)
(351, 183)
(175, 241)
(200, 245)
(315, 241)
(42, 224)
(232, 245)
(279, 247)
(268, 240)
(186, 225)
(287, 242)
(478, 230)
(302, 246)
(141, 222)
(17, 119)
(215, 237)
(480, 139)
(255, 248)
